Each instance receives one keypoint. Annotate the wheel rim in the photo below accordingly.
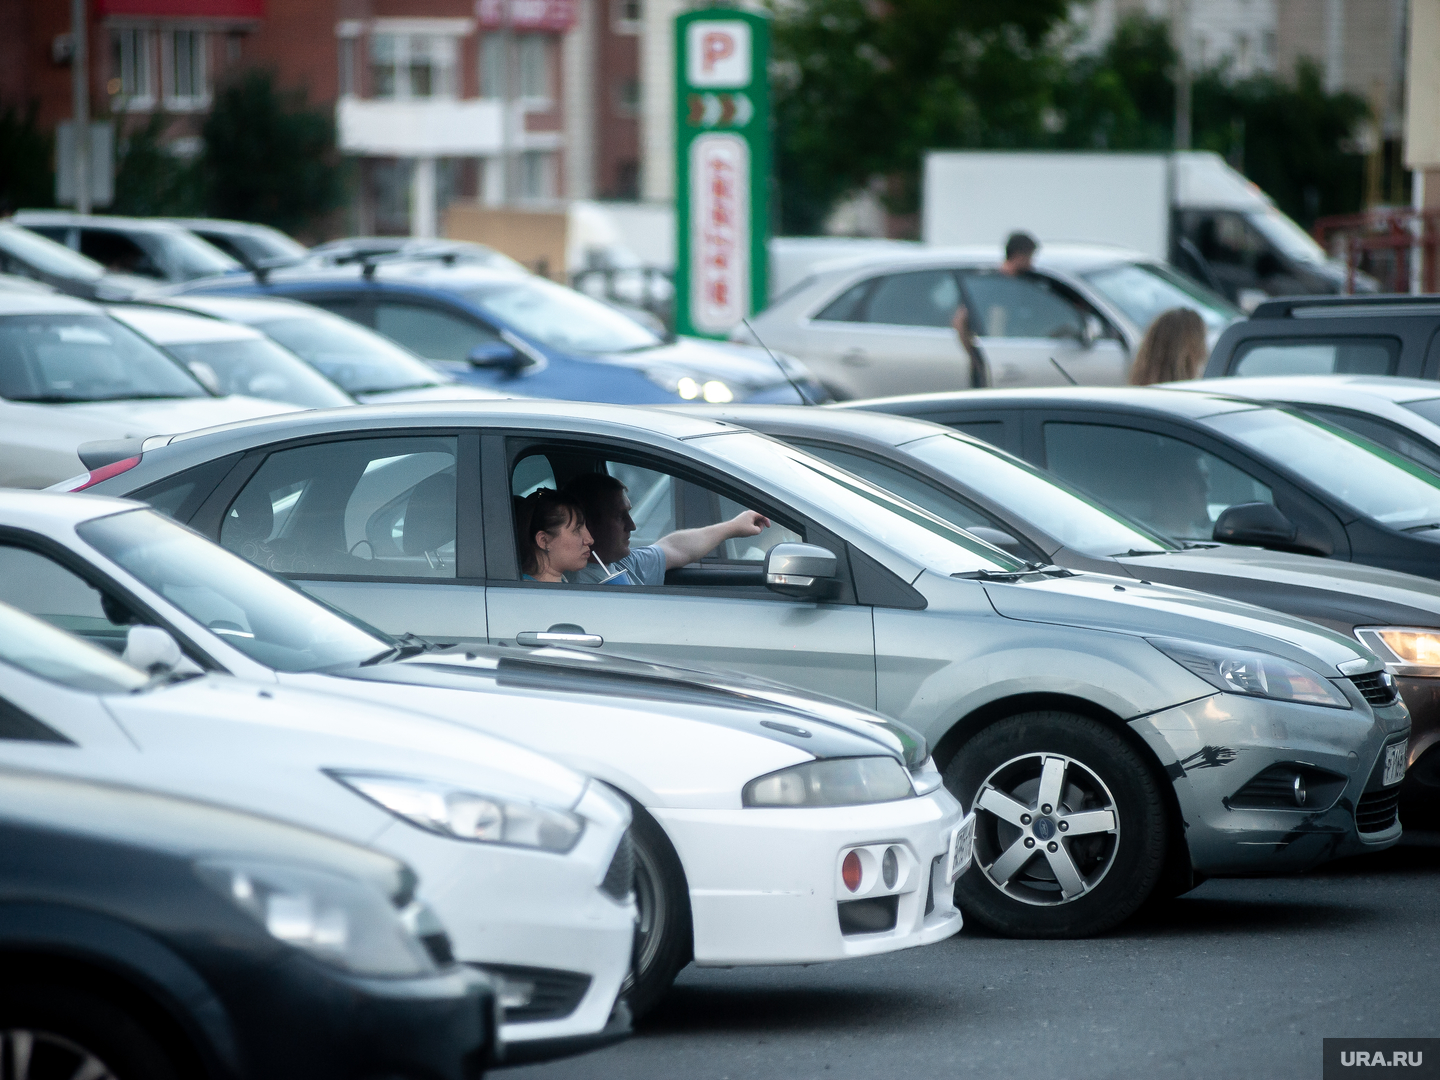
(1047, 829)
(26, 1054)
(650, 926)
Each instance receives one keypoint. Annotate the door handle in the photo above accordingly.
(560, 634)
(855, 358)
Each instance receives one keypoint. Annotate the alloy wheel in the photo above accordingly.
(27, 1054)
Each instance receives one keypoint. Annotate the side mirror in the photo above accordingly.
(1092, 329)
(803, 570)
(153, 650)
(1257, 523)
(996, 537)
(496, 354)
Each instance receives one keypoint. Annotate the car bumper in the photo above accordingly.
(1420, 793)
(1214, 746)
(766, 885)
(557, 945)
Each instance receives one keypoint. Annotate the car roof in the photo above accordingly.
(166, 326)
(1385, 305)
(1316, 389)
(1163, 401)
(48, 512)
(421, 273)
(1065, 257)
(65, 217)
(244, 309)
(33, 303)
(225, 225)
(888, 429)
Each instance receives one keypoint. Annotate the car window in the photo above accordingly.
(1167, 484)
(992, 431)
(39, 585)
(46, 254)
(32, 645)
(1005, 306)
(54, 359)
(917, 298)
(561, 317)
(429, 331)
(259, 368)
(922, 493)
(849, 306)
(1338, 356)
(118, 253)
(1429, 408)
(1388, 435)
(353, 356)
(1143, 290)
(362, 507)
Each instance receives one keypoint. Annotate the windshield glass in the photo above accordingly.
(871, 511)
(259, 368)
(1429, 408)
(46, 256)
(361, 361)
(1376, 482)
(190, 257)
(1074, 520)
(1287, 236)
(267, 619)
(37, 647)
(1143, 290)
(562, 318)
(54, 359)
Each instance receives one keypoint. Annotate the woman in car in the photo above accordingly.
(1173, 349)
(551, 536)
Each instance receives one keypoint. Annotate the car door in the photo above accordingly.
(717, 612)
(891, 334)
(1033, 331)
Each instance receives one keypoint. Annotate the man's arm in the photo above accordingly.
(689, 545)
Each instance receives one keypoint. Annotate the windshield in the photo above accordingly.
(361, 361)
(1076, 521)
(562, 318)
(187, 256)
(261, 369)
(267, 619)
(46, 256)
(54, 359)
(1376, 482)
(37, 647)
(1428, 408)
(1144, 290)
(1290, 238)
(901, 526)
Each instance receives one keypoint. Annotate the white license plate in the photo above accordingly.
(962, 849)
(1394, 763)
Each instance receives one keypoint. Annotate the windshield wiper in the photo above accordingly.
(986, 574)
(1422, 528)
(1134, 553)
(1192, 545)
(166, 678)
(407, 644)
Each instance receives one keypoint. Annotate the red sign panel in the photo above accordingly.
(555, 15)
(183, 9)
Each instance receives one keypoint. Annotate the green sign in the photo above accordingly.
(722, 168)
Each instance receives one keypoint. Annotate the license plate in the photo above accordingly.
(962, 849)
(1394, 764)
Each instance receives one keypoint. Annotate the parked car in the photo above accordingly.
(144, 936)
(1039, 518)
(1114, 709)
(143, 247)
(525, 335)
(727, 871)
(526, 861)
(1205, 467)
(373, 368)
(253, 246)
(1333, 335)
(359, 249)
(232, 359)
(69, 373)
(881, 323)
(24, 254)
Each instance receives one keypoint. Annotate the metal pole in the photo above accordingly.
(1180, 16)
(507, 99)
(80, 92)
(1417, 231)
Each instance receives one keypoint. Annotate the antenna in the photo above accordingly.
(1068, 377)
(804, 397)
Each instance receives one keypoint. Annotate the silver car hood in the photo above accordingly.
(1126, 606)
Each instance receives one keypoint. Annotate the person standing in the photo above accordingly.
(1173, 349)
(1020, 248)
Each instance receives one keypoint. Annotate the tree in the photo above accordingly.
(150, 180)
(268, 157)
(27, 176)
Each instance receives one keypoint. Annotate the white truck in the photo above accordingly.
(1189, 208)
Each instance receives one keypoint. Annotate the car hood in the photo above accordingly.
(741, 365)
(438, 392)
(1126, 606)
(141, 419)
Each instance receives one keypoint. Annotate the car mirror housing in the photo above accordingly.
(1092, 329)
(996, 537)
(496, 354)
(154, 651)
(804, 570)
(1257, 523)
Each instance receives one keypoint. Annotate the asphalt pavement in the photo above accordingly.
(1239, 978)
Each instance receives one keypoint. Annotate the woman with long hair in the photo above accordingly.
(550, 536)
(1172, 349)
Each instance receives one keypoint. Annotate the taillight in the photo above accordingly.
(850, 871)
(105, 472)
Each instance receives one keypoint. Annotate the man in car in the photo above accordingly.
(607, 516)
(1020, 248)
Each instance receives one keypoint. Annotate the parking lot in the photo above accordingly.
(1239, 978)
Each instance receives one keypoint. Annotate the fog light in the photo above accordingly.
(512, 993)
(890, 868)
(1299, 790)
(850, 871)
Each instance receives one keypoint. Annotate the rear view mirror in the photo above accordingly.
(154, 651)
(804, 570)
(1256, 523)
(496, 354)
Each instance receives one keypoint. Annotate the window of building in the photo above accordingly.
(186, 76)
(131, 77)
(346, 56)
(537, 175)
(492, 66)
(534, 64)
(628, 16)
(408, 66)
(627, 97)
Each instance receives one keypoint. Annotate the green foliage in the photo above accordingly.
(152, 181)
(27, 174)
(1122, 98)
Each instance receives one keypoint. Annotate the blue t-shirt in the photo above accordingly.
(646, 566)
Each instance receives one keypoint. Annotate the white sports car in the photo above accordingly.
(770, 828)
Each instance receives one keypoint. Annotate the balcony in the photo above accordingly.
(431, 127)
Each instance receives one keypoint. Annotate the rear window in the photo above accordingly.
(1317, 356)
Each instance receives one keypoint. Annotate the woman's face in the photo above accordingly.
(568, 549)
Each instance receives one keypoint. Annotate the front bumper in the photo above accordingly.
(765, 885)
(1420, 792)
(1213, 746)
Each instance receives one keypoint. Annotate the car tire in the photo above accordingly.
(664, 941)
(1061, 869)
(63, 1030)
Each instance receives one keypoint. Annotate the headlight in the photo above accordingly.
(1241, 671)
(467, 815)
(691, 386)
(1405, 650)
(833, 782)
(342, 921)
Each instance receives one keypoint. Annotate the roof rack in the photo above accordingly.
(1291, 307)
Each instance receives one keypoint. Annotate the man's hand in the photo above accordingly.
(745, 523)
(689, 545)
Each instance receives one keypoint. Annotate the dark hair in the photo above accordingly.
(1173, 348)
(543, 510)
(590, 491)
(1020, 243)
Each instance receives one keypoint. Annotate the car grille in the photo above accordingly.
(619, 879)
(1377, 687)
(1378, 810)
(530, 994)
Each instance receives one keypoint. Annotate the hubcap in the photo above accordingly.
(1047, 829)
(40, 1055)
